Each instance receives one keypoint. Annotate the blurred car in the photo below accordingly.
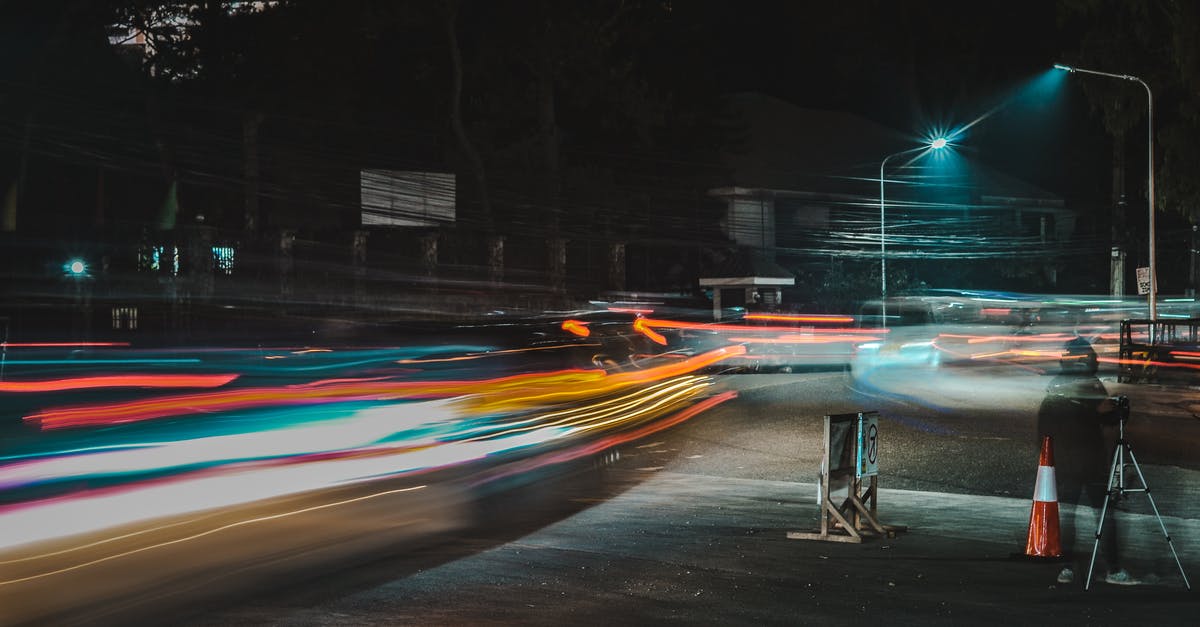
(785, 342)
(905, 333)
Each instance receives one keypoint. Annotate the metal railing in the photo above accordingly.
(1154, 351)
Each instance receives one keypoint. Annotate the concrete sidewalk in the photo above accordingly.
(711, 550)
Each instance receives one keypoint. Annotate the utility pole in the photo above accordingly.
(1117, 222)
(1192, 259)
(1151, 235)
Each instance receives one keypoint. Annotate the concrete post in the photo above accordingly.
(556, 248)
(429, 254)
(1193, 271)
(287, 262)
(495, 259)
(200, 261)
(1117, 272)
(358, 260)
(616, 266)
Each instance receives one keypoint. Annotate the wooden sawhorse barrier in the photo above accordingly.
(850, 453)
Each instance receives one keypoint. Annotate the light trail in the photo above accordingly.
(375, 428)
(62, 344)
(196, 536)
(343, 390)
(119, 381)
(799, 318)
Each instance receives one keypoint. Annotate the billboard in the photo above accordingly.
(402, 198)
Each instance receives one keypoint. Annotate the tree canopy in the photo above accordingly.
(1154, 41)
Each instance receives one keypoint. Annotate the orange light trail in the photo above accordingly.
(750, 328)
(602, 384)
(318, 392)
(631, 310)
(576, 327)
(641, 327)
(61, 344)
(1139, 362)
(799, 318)
(804, 339)
(514, 390)
(120, 381)
(631, 408)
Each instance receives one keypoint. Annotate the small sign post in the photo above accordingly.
(850, 454)
(868, 445)
(1143, 281)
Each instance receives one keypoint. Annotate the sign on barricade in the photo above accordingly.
(849, 460)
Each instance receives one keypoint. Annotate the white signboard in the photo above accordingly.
(399, 198)
(868, 445)
(1143, 281)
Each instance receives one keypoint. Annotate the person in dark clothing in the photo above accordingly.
(1075, 413)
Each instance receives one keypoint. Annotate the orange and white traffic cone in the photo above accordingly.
(1044, 539)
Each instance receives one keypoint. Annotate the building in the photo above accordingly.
(803, 202)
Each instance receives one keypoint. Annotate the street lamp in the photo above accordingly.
(1150, 160)
(936, 144)
(76, 268)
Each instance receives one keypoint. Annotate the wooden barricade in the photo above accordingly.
(851, 454)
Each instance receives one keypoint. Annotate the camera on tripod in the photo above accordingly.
(1121, 403)
(1117, 488)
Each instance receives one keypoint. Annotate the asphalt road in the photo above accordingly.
(690, 525)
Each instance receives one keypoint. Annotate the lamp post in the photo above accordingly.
(1149, 160)
(936, 144)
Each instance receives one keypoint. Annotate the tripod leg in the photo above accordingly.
(1108, 494)
(1158, 516)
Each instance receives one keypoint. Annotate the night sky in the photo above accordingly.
(914, 66)
(366, 83)
(911, 66)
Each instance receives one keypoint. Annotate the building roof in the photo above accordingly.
(748, 267)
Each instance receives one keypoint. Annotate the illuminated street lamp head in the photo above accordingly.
(76, 267)
(1065, 68)
(938, 143)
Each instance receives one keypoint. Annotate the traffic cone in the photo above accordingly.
(1044, 539)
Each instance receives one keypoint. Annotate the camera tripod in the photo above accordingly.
(1117, 489)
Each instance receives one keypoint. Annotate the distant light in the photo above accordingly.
(76, 267)
(642, 327)
(223, 258)
(576, 327)
(1065, 68)
(938, 143)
